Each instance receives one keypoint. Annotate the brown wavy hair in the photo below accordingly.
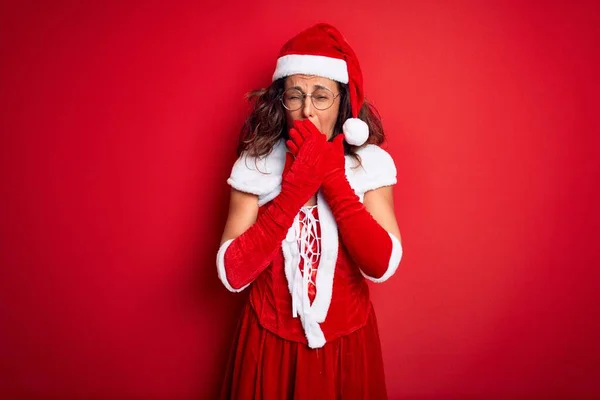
(266, 124)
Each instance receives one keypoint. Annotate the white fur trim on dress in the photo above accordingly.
(378, 169)
(312, 315)
(221, 267)
(393, 263)
(260, 175)
(327, 261)
(327, 67)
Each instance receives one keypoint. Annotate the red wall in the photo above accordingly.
(118, 130)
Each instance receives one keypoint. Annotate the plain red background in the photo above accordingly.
(118, 131)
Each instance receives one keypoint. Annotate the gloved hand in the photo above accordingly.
(334, 162)
(242, 259)
(309, 148)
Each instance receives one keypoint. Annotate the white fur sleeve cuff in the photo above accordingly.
(221, 268)
(395, 258)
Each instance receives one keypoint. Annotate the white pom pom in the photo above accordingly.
(356, 131)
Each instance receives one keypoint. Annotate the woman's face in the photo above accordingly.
(323, 119)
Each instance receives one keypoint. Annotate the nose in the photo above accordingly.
(307, 107)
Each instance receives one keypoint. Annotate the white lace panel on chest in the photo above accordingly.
(309, 244)
(309, 248)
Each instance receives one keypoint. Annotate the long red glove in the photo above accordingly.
(241, 260)
(375, 250)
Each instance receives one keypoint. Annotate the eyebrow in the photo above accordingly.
(314, 87)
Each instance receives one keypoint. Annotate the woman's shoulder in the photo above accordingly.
(377, 168)
(262, 175)
(259, 175)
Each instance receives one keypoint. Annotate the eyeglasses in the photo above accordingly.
(293, 99)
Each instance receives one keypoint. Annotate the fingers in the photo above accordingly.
(321, 138)
(296, 137)
(307, 128)
(336, 146)
(338, 141)
(299, 126)
(309, 125)
(295, 141)
(306, 141)
(292, 146)
(289, 160)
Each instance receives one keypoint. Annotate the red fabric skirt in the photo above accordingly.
(263, 365)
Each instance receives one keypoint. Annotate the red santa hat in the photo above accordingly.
(322, 50)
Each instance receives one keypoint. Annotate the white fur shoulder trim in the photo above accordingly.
(378, 169)
(262, 175)
(259, 175)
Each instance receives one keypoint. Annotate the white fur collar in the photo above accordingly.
(262, 175)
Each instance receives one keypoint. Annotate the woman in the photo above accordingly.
(311, 219)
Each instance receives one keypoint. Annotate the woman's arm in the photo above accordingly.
(380, 203)
(373, 243)
(370, 235)
(243, 210)
(251, 238)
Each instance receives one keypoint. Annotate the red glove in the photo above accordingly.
(376, 251)
(242, 259)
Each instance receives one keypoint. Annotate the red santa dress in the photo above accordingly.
(308, 329)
